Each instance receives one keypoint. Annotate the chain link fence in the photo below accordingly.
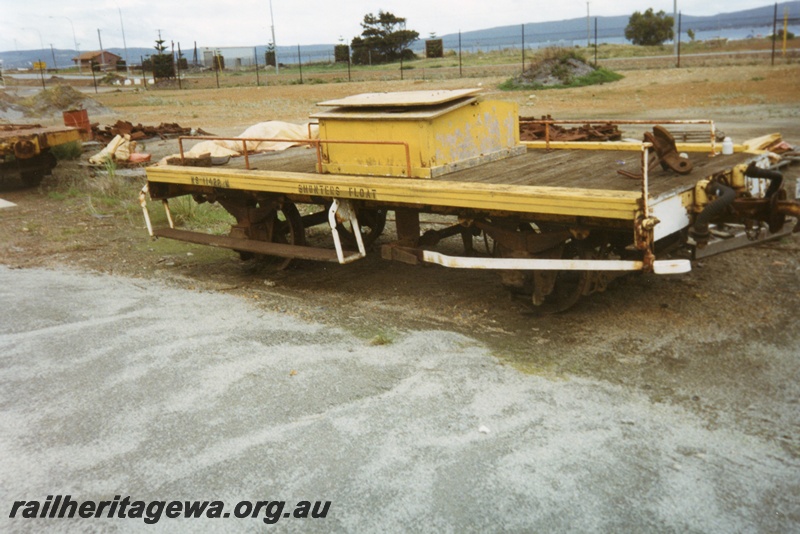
(727, 40)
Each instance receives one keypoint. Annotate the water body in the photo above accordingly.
(515, 41)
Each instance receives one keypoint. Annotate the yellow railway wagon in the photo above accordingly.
(25, 150)
(562, 220)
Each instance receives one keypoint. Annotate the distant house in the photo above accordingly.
(106, 60)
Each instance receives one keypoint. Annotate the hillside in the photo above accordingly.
(614, 27)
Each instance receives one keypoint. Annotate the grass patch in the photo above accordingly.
(381, 339)
(211, 218)
(68, 151)
(597, 77)
(71, 192)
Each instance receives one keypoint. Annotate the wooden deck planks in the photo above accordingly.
(571, 169)
(592, 170)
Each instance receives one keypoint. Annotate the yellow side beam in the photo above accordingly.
(522, 199)
(762, 143)
(631, 146)
(63, 136)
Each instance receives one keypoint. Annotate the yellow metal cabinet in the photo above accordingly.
(418, 134)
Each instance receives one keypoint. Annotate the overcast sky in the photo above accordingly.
(33, 24)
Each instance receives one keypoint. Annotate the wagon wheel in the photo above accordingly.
(284, 225)
(557, 291)
(32, 171)
(546, 292)
(549, 292)
(372, 222)
(32, 178)
(287, 228)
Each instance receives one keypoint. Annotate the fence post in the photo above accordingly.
(679, 40)
(255, 57)
(774, 34)
(94, 78)
(178, 67)
(41, 72)
(460, 75)
(300, 64)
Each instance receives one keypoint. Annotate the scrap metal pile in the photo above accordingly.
(536, 131)
(139, 132)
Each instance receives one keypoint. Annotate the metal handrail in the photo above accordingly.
(317, 143)
(548, 122)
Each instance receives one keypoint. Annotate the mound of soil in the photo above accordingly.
(556, 71)
(10, 110)
(48, 103)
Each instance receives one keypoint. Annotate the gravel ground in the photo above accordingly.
(113, 387)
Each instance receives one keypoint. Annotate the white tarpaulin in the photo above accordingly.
(119, 149)
(262, 130)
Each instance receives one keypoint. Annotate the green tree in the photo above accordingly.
(163, 66)
(779, 35)
(269, 55)
(384, 38)
(649, 28)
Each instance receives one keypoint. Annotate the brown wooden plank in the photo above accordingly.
(248, 245)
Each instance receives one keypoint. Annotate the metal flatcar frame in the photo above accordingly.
(557, 208)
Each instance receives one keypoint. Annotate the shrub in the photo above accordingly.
(67, 151)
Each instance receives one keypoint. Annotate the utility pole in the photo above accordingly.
(675, 27)
(274, 43)
(588, 28)
(102, 52)
(124, 44)
(41, 41)
(74, 39)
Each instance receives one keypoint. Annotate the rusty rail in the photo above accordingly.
(317, 143)
(548, 122)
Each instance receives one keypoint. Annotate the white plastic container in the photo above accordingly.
(727, 146)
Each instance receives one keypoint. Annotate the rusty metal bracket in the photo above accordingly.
(772, 211)
(531, 242)
(666, 150)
